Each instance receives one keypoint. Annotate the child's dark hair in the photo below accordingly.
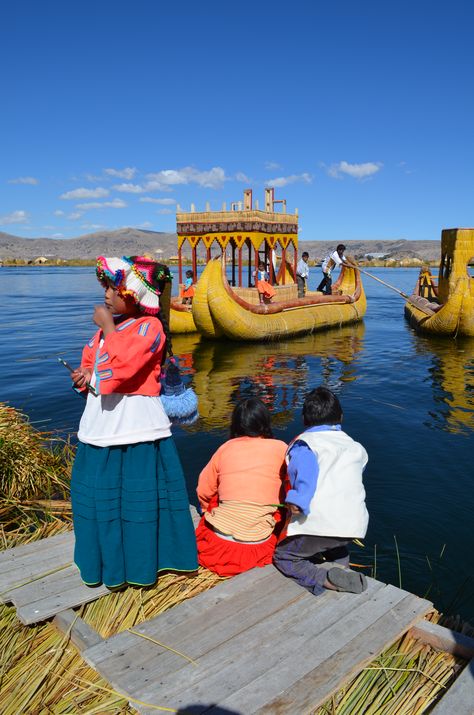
(305, 253)
(251, 418)
(321, 407)
(190, 274)
(340, 247)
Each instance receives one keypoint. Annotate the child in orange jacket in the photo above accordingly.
(239, 491)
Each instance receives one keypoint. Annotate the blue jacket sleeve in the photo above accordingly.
(303, 470)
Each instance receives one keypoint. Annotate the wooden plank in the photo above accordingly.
(459, 699)
(34, 547)
(443, 639)
(50, 585)
(201, 606)
(227, 666)
(24, 576)
(191, 635)
(81, 633)
(343, 653)
(77, 594)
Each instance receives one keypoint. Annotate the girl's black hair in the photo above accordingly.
(251, 418)
(321, 407)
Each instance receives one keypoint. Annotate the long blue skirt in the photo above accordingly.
(131, 513)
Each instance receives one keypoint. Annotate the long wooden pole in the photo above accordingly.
(400, 292)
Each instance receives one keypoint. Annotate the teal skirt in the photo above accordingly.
(131, 513)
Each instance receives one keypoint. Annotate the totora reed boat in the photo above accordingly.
(446, 307)
(226, 302)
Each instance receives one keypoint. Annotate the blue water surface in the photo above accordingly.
(408, 399)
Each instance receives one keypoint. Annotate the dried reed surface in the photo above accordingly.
(41, 671)
(405, 679)
(33, 464)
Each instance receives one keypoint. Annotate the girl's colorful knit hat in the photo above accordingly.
(138, 276)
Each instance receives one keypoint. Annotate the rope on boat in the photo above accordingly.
(410, 299)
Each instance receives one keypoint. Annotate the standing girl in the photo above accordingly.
(265, 290)
(239, 491)
(130, 506)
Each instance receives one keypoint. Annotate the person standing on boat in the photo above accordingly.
(326, 500)
(302, 273)
(265, 289)
(336, 258)
(129, 501)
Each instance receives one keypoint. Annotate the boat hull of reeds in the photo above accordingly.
(235, 313)
(452, 304)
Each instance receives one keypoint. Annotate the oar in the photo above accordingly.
(410, 300)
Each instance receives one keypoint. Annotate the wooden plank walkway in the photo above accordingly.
(40, 578)
(256, 643)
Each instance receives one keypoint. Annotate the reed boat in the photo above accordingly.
(446, 306)
(226, 302)
(221, 310)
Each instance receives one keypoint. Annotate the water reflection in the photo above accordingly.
(279, 373)
(452, 379)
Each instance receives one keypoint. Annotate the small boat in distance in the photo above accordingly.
(226, 301)
(446, 307)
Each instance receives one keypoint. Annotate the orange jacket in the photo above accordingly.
(129, 360)
(244, 469)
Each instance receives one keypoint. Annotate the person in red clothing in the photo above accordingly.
(129, 501)
(239, 491)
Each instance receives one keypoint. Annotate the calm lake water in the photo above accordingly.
(408, 399)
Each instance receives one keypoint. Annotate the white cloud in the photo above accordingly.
(59, 213)
(272, 165)
(24, 180)
(240, 176)
(150, 200)
(145, 224)
(357, 171)
(127, 173)
(292, 179)
(82, 193)
(164, 211)
(115, 204)
(212, 179)
(75, 216)
(14, 217)
(92, 226)
(57, 235)
(129, 188)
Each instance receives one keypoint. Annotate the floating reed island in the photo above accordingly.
(42, 669)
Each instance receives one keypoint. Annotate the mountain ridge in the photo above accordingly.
(134, 241)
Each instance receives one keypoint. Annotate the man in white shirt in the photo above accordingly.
(336, 258)
(302, 273)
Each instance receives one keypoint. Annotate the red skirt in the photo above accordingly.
(228, 558)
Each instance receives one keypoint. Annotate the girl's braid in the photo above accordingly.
(166, 328)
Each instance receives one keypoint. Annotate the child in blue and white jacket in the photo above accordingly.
(326, 500)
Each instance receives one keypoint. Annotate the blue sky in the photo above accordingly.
(359, 113)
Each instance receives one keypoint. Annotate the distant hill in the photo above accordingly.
(133, 241)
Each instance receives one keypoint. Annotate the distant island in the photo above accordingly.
(15, 250)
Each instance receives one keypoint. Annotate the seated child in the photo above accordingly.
(265, 290)
(239, 491)
(188, 291)
(326, 500)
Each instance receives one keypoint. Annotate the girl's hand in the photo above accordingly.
(293, 509)
(80, 377)
(104, 319)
